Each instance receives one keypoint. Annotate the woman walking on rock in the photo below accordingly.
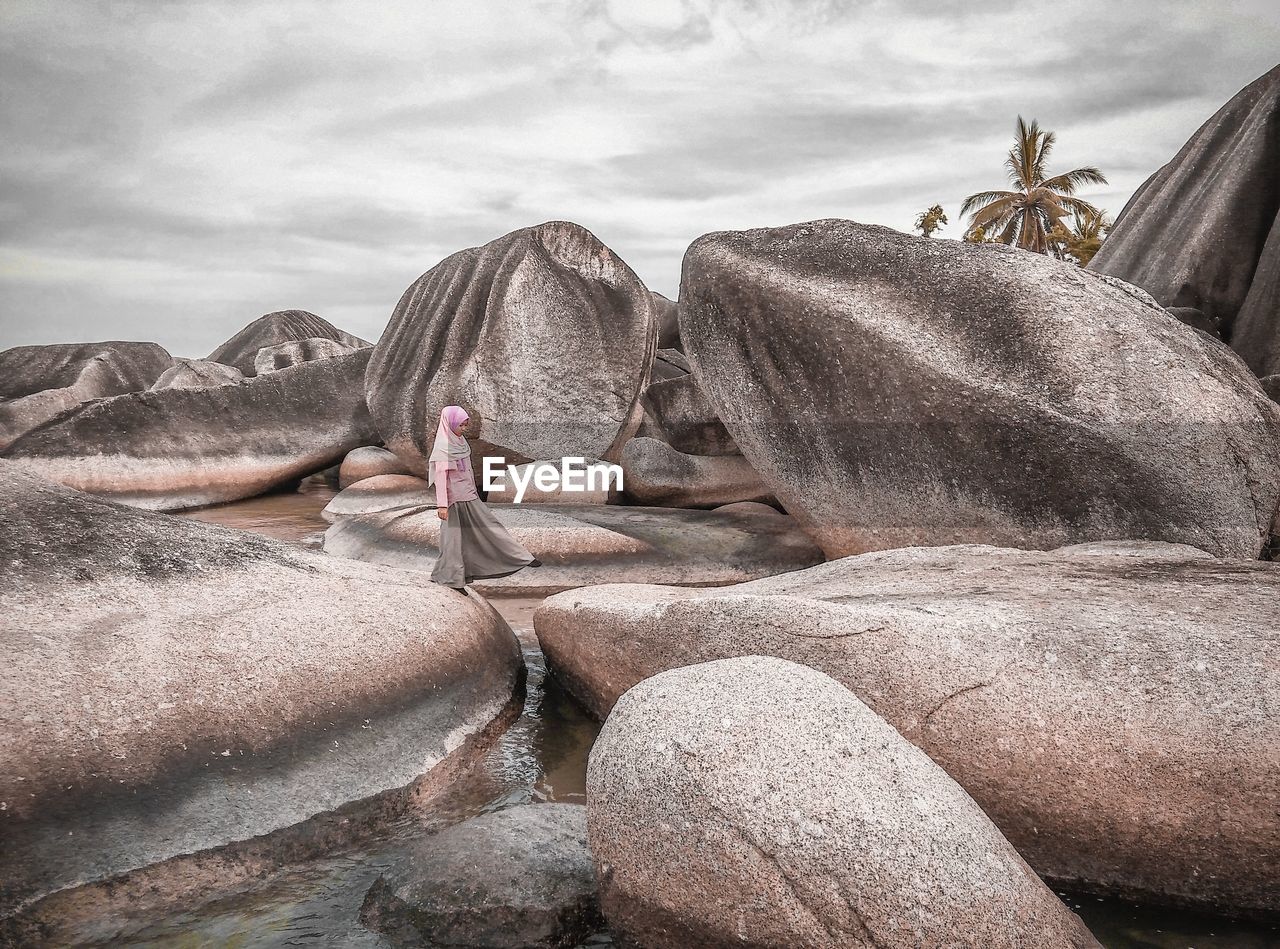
(473, 545)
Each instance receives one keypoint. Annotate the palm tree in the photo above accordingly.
(1027, 216)
(1083, 238)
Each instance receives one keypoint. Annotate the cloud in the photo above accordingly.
(173, 170)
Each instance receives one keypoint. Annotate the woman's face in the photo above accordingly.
(466, 427)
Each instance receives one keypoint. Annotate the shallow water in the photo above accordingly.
(542, 757)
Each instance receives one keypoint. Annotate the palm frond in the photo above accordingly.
(983, 198)
(1069, 182)
(994, 214)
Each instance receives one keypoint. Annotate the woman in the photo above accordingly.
(473, 545)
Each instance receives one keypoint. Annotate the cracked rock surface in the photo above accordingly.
(1112, 706)
(754, 802)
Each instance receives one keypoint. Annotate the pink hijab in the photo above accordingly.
(449, 447)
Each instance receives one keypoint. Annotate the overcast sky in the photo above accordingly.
(172, 170)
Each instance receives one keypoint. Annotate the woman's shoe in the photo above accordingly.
(535, 562)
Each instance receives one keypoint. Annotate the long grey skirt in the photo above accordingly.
(474, 546)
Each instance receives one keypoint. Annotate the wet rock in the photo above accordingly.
(282, 326)
(1203, 231)
(604, 490)
(660, 475)
(380, 493)
(755, 802)
(685, 419)
(171, 686)
(544, 335)
(284, 355)
(40, 382)
(521, 877)
(369, 461)
(895, 391)
(181, 448)
(1112, 707)
(585, 544)
(197, 374)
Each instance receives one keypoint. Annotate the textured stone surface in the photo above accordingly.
(179, 448)
(668, 321)
(171, 686)
(755, 802)
(1203, 231)
(283, 355)
(520, 877)
(197, 374)
(282, 326)
(685, 419)
(660, 475)
(368, 461)
(39, 382)
(587, 544)
(380, 493)
(1113, 707)
(895, 391)
(544, 335)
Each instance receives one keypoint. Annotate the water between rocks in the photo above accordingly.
(542, 757)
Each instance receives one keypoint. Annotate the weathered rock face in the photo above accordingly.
(685, 419)
(284, 355)
(755, 802)
(520, 877)
(179, 448)
(369, 461)
(586, 544)
(1271, 386)
(658, 474)
(669, 364)
(39, 382)
(1112, 707)
(379, 493)
(896, 391)
(282, 326)
(197, 374)
(668, 319)
(1203, 231)
(544, 335)
(156, 698)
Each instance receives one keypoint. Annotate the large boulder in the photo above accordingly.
(379, 493)
(684, 418)
(668, 319)
(520, 877)
(369, 461)
(171, 686)
(197, 374)
(544, 335)
(177, 448)
(283, 355)
(757, 803)
(1113, 707)
(895, 391)
(1204, 230)
(583, 544)
(39, 382)
(282, 326)
(660, 475)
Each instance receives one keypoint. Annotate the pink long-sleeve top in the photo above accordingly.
(453, 485)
